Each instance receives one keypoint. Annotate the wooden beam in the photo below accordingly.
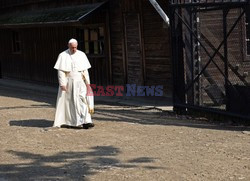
(160, 11)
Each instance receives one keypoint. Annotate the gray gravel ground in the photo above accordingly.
(127, 143)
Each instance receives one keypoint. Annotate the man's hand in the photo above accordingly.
(91, 111)
(64, 88)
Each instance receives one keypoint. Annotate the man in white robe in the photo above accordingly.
(74, 106)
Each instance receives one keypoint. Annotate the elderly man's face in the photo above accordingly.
(73, 47)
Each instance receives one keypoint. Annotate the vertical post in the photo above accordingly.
(1, 60)
(142, 43)
(225, 12)
(0, 69)
(107, 41)
(172, 30)
(196, 57)
(177, 60)
(192, 63)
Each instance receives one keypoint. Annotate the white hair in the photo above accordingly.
(72, 40)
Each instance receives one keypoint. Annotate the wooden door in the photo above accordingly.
(133, 48)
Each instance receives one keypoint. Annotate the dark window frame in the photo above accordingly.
(16, 42)
(92, 40)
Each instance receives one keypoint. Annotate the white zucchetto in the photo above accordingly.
(72, 40)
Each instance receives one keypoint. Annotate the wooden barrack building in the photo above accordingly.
(126, 41)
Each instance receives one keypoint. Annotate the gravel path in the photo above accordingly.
(127, 143)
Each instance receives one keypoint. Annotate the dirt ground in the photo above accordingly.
(127, 143)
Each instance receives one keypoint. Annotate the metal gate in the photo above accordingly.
(211, 56)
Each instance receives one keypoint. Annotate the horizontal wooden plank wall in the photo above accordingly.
(155, 43)
(117, 43)
(40, 47)
(133, 44)
(157, 48)
(39, 51)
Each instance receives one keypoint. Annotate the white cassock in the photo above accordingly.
(73, 105)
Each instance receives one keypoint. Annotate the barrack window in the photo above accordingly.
(94, 41)
(16, 43)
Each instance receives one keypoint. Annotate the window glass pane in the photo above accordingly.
(86, 34)
(94, 41)
(13, 42)
(91, 47)
(101, 47)
(101, 31)
(86, 45)
(96, 47)
(16, 42)
(101, 40)
(93, 35)
(17, 47)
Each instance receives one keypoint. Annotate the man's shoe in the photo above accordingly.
(88, 125)
(65, 126)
